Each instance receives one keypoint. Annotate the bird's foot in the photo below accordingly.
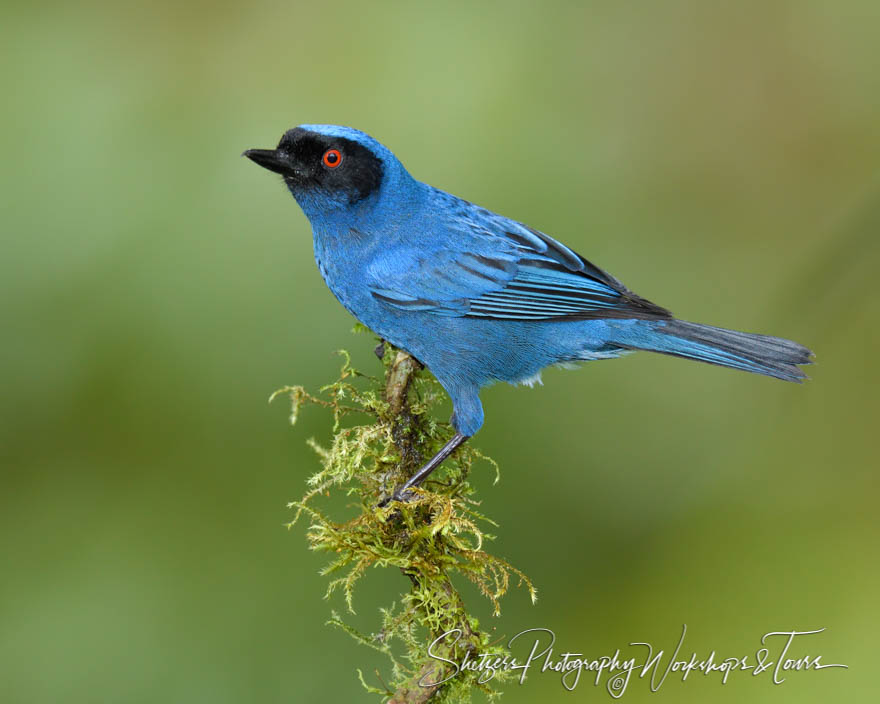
(402, 495)
(379, 350)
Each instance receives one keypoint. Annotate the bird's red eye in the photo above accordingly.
(332, 158)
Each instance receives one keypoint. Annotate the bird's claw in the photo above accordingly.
(403, 497)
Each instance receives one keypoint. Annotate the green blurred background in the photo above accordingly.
(720, 158)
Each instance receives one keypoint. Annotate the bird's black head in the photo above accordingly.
(338, 166)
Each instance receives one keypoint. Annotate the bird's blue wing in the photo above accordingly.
(491, 267)
(445, 282)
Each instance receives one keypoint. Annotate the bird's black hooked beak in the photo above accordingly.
(272, 159)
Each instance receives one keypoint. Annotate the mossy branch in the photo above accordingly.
(436, 534)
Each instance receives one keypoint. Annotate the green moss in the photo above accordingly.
(438, 533)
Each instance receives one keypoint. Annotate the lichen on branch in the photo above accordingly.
(438, 533)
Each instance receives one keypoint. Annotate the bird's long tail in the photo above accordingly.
(761, 354)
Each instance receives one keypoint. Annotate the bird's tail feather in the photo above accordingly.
(761, 354)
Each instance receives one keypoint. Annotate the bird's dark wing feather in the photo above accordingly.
(500, 269)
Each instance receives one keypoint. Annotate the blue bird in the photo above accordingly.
(473, 295)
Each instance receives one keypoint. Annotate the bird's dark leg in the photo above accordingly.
(402, 493)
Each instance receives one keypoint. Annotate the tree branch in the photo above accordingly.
(433, 535)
